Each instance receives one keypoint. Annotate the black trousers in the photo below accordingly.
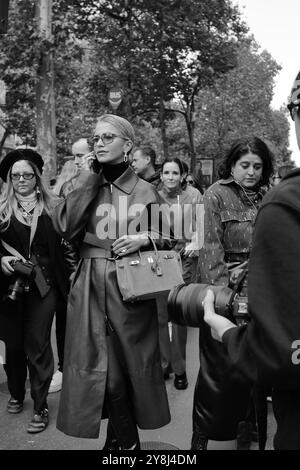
(221, 395)
(118, 400)
(28, 344)
(286, 407)
(60, 329)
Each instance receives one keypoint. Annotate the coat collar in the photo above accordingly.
(232, 181)
(227, 181)
(126, 182)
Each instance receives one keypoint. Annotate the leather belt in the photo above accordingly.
(88, 251)
(93, 240)
(94, 247)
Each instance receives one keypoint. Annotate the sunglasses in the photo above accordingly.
(293, 109)
(106, 138)
(26, 176)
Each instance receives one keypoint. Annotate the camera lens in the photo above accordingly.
(16, 290)
(185, 303)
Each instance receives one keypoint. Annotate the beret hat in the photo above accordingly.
(19, 154)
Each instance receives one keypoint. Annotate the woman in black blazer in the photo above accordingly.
(28, 302)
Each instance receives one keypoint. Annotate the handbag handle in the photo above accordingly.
(156, 266)
(154, 246)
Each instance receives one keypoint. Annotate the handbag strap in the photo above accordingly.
(33, 227)
(12, 250)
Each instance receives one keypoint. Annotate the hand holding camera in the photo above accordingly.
(221, 307)
(218, 323)
(7, 265)
(24, 271)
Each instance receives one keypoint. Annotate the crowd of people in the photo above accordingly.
(58, 258)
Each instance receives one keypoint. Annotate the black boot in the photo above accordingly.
(199, 442)
(136, 446)
(111, 443)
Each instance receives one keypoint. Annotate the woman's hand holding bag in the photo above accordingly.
(128, 244)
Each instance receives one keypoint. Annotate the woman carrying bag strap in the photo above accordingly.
(27, 234)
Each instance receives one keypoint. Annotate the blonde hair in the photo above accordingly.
(124, 127)
(68, 172)
(8, 200)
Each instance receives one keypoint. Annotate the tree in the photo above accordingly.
(19, 63)
(159, 50)
(240, 104)
(187, 87)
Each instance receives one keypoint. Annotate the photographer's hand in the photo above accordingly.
(6, 267)
(217, 323)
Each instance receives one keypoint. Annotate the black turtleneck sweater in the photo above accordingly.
(113, 172)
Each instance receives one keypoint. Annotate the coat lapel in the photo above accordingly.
(16, 241)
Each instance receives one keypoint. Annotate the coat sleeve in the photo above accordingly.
(212, 266)
(71, 256)
(270, 346)
(70, 216)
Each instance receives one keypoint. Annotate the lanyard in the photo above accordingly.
(33, 226)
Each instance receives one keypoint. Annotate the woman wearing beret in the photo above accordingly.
(28, 299)
(112, 359)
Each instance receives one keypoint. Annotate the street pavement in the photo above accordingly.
(177, 434)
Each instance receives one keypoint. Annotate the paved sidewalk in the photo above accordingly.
(13, 435)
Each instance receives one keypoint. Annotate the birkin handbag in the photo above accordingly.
(145, 274)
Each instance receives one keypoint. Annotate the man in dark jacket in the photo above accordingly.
(143, 163)
(268, 348)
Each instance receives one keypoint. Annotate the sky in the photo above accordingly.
(275, 25)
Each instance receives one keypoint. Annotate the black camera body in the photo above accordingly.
(23, 268)
(185, 303)
(24, 271)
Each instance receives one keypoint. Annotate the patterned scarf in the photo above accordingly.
(25, 207)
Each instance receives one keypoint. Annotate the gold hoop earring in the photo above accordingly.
(125, 156)
(38, 190)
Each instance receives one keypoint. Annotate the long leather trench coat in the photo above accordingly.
(95, 294)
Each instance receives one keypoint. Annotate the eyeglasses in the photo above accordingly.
(293, 109)
(26, 176)
(106, 138)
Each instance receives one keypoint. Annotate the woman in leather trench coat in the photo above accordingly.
(231, 204)
(112, 360)
(28, 303)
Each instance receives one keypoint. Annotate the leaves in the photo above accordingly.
(192, 79)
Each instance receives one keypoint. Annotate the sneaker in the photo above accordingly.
(39, 422)
(14, 406)
(56, 382)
